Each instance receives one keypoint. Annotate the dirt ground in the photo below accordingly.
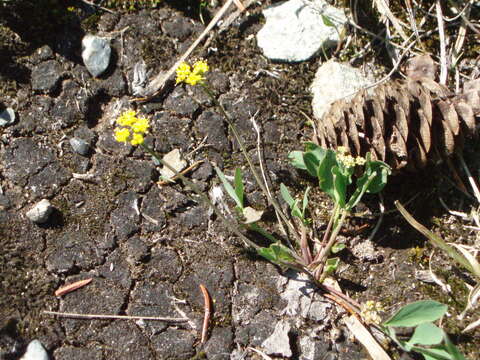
(149, 247)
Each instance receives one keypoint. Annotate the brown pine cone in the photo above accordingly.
(405, 123)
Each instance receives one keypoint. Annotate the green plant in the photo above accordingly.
(427, 339)
(335, 173)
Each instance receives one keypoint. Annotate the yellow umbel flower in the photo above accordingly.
(192, 77)
(369, 312)
(132, 128)
(140, 126)
(183, 71)
(122, 134)
(200, 67)
(127, 118)
(137, 139)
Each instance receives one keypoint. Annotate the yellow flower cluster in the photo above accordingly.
(132, 128)
(369, 312)
(348, 160)
(190, 76)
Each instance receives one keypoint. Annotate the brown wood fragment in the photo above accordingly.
(208, 311)
(72, 287)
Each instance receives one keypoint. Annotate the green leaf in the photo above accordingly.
(337, 247)
(228, 187)
(437, 353)
(331, 265)
(325, 174)
(327, 21)
(277, 253)
(262, 231)
(286, 195)
(417, 313)
(452, 349)
(381, 171)
(362, 185)
(296, 159)
(239, 186)
(292, 203)
(311, 163)
(426, 334)
(340, 183)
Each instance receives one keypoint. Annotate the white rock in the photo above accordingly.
(174, 159)
(334, 81)
(300, 303)
(35, 351)
(7, 117)
(295, 31)
(278, 343)
(96, 54)
(40, 212)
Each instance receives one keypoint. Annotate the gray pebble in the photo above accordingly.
(96, 54)
(35, 351)
(40, 212)
(80, 146)
(7, 117)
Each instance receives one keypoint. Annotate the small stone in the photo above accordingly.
(35, 351)
(40, 212)
(174, 159)
(279, 343)
(46, 76)
(80, 146)
(96, 54)
(295, 30)
(7, 117)
(334, 81)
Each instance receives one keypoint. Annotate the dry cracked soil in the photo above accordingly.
(148, 247)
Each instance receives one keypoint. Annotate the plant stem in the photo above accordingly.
(306, 254)
(250, 164)
(326, 250)
(202, 196)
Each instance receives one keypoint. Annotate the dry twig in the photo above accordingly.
(71, 287)
(208, 312)
(121, 317)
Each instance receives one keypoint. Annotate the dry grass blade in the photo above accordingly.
(470, 258)
(443, 51)
(159, 81)
(72, 287)
(472, 326)
(435, 239)
(115, 317)
(383, 8)
(366, 339)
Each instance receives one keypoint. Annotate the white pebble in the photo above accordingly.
(35, 351)
(40, 212)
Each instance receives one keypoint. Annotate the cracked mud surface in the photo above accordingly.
(149, 247)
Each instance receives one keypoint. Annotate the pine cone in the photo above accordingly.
(405, 123)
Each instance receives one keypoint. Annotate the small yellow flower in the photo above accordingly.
(137, 139)
(140, 126)
(360, 160)
(183, 71)
(192, 77)
(342, 150)
(370, 310)
(132, 128)
(127, 118)
(200, 67)
(122, 134)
